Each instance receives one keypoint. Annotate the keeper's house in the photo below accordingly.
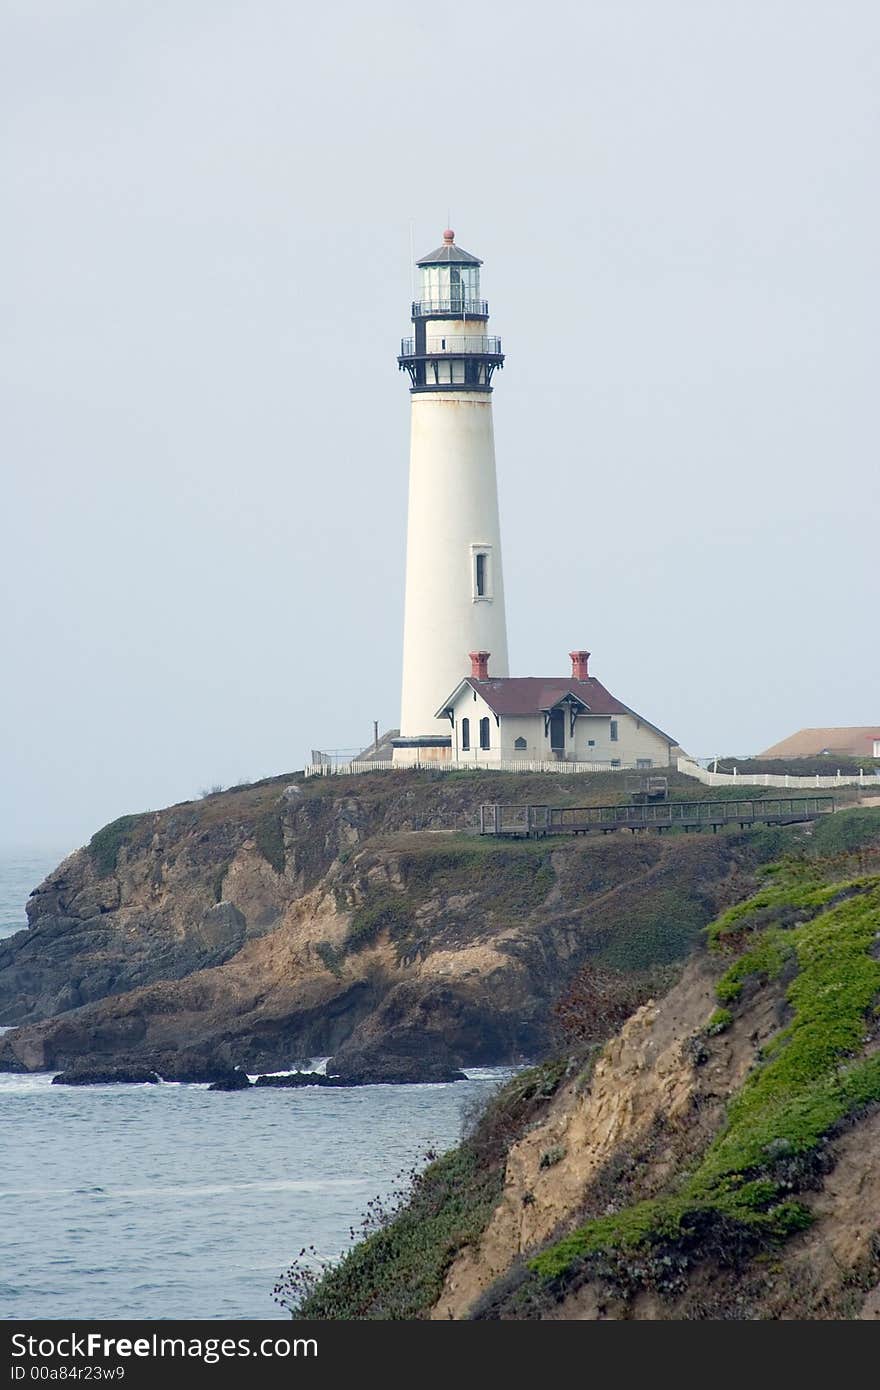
(534, 718)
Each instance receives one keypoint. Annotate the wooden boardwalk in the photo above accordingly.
(497, 819)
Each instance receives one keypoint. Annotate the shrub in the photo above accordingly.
(269, 839)
(105, 844)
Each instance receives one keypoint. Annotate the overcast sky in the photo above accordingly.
(205, 252)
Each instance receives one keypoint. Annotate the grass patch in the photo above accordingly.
(105, 844)
(269, 839)
(718, 1022)
(846, 831)
(391, 912)
(661, 927)
(517, 876)
(329, 957)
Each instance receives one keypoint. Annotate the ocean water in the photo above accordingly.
(172, 1201)
(20, 872)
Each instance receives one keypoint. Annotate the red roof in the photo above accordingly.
(524, 695)
(532, 694)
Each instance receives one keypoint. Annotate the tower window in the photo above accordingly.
(482, 575)
(465, 735)
(484, 733)
(614, 731)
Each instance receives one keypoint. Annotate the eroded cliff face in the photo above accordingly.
(619, 1129)
(711, 1163)
(347, 916)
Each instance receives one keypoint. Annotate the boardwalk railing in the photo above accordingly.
(773, 779)
(497, 819)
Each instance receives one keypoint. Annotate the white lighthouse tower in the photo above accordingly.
(454, 588)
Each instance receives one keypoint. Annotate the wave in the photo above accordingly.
(188, 1190)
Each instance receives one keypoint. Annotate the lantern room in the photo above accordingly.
(450, 283)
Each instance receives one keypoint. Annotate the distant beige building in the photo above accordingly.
(862, 741)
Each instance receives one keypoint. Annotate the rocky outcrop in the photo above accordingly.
(294, 1081)
(111, 1076)
(381, 1068)
(235, 1081)
(286, 920)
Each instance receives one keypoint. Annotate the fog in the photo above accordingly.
(205, 249)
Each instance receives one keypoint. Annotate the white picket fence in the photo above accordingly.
(496, 765)
(772, 779)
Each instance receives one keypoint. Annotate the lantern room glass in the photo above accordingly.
(455, 286)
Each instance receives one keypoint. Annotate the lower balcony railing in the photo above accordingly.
(458, 346)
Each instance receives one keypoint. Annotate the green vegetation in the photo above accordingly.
(719, 1022)
(217, 883)
(846, 831)
(397, 1269)
(808, 1084)
(269, 839)
(105, 844)
(521, 870)
(330, 957)
(825, 764)
(662, 927)
(391, 912)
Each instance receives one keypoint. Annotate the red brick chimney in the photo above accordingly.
(579, 665)
(479, 665)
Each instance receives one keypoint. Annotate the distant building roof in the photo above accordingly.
(525, 695)
(807, 743)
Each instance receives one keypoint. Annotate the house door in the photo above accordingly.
(557, 731)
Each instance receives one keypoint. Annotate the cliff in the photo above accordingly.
(350, 916)
(717, 1157)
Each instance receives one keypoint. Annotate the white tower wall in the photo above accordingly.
(453, 517)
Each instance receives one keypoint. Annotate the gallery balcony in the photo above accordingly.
(456, 307)
(452, 346)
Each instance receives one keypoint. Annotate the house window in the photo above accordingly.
(520, 745)
(465, 735)
(614, 731)
(615, 762)
(644, 762)
(484, 733)
(591, 743)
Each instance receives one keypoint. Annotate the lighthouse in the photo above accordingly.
(454, 602)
